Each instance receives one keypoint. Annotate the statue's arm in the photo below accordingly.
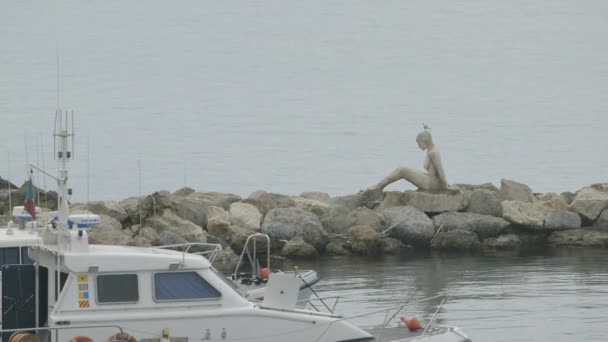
(436, 159)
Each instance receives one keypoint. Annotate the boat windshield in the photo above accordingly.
(228, 281)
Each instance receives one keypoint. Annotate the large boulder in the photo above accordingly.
(552, 200)
(557, 219)
(363, 216)
(337, 247)
(131, 206)
(168, 221)
(317, 196)
(505, 241)
(139, 241)
(473, 187)
(485, 202)
(266, 201)
(217, 199)
(410, 225)
(456, 240)
(316, 207)
(435, 202)
(590, 201)
(150, 235)
(602, 221)
(350, 202)
(297, 248)
(483, 225)
(108, 208)
(287, 223)
(226, 259)
(514, 191)
(192, 209)
(335, 220)
(365, 240)
(393, 246)
(108, 235)
(4, 184)
(531, 215)
(391, 199)
(170, 238)
(579, 237)
(245, 215)
(218, 223)
(183, 192)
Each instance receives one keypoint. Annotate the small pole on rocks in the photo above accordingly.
(139, 190)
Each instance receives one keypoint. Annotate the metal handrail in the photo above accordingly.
(56, 329)
(253, 236)
(216, 248)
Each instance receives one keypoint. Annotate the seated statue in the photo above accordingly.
(432, 180)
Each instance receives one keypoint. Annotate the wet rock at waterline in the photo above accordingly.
(409, 225)
(483, 225)
(456, 240)
(287, 223)
(297, 248)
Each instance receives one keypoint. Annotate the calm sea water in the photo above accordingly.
(293, 96)
(545, 296)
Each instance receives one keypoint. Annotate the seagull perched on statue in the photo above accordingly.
(426, 128)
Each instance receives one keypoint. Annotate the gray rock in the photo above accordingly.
(287, 223)
(485, 202)
(131, 207)
(245, 215)
(266, 201)
(568, 196)
(514, 191)
(365, 240)
(337, 247)
(336, 220)
(215, 199)
(551, 200)
(192, 209)
(317, 196)
(150, 235)
(297, 248)
(456, 240)
(473, 187)
(170, 238)
(351, 202)
(557, 219)
(108, 208)
(531, 215)
(436, 202)
(226, 259)
(363, 216)
(393, 246)
(580, 238)
(218, 224)
(183, 192)
(483, 225)
(168, 221)
(316, 207)
(410, 225)
(505, 241)
(107, 235)
(602, 221)
(237, 236)
(217, 213)
(391, 199)
(590, 201)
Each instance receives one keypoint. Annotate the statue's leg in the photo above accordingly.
(418, 178)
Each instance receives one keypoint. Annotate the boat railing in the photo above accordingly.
(253, 258)
(390, 314)
(211, 249)
(46, 332)
(317, 298)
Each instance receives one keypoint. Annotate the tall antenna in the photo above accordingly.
(62, 137)
(89, 167)
(8, 180)
(46, 193)
(27, 159)
(139, 190)
(57, 52)
(38, 173)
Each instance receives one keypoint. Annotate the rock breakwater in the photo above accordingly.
(314, 224)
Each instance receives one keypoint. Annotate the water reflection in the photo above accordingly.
(541, 295)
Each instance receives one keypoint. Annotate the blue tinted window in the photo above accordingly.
(25, 259)
(117, 288)
(182, 286)
(9, 256)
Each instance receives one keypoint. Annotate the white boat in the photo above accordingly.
(79, 292)
(253, 283)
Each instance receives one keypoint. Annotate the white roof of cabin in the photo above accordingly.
(125, 258)
(18, 238)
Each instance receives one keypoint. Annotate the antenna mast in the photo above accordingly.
(62, 137)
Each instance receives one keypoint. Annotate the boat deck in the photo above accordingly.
(405, 335)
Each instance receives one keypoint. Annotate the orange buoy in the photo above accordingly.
(122, 337)
(81, 339)
(412, 323)
(265, 273)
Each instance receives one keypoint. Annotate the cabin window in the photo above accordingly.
(117, 288)
(9, 256)
(182, 286)
(25, 259)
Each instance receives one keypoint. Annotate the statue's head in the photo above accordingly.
(424, 140)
